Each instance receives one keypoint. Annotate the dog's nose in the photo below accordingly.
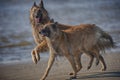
(37, 16)
(40, 32)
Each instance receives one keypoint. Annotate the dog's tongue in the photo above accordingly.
(43, 35)
(37, 20)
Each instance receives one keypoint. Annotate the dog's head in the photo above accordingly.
(38, 14)
(50, 30)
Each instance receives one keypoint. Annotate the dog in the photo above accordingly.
(38, 18)
(85, 38)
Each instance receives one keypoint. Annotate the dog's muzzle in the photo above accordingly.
(38, 18)
(43, 33)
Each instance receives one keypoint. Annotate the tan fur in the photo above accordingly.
(40, 41)
(82, 38)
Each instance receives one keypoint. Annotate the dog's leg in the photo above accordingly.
(50, 63)
(78, 61)
(91, 60)
(40, 48)
(103, 63)
(97, 62)
(77, 57)
(34, 56)
(99, 57)
(72, 62)
(37, 53)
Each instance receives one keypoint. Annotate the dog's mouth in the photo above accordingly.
(38, 20)
(43, 35)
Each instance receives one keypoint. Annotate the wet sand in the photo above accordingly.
(61, 70)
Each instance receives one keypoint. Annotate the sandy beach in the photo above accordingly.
(61, 70)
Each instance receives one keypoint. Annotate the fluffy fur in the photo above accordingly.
(38, 18)
(85, 38)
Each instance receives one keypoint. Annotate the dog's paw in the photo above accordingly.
(34, 59)
(73, 77)
(37, 57)
(103, 69)
(71, 73)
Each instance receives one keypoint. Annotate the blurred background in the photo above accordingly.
(16, 41)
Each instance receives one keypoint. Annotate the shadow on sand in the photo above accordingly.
(98, 75)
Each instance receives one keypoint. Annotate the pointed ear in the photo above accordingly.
(34, 4)
(51, 20)
(55, 26)
(41, 4)
(56, 23)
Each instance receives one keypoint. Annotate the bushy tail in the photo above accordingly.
(105, 41)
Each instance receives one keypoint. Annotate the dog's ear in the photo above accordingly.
(41, 4)
(34, 4)
(51, 20)
(55, 26)
(56, 23)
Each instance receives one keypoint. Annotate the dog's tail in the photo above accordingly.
(108, 40)
(105, 41)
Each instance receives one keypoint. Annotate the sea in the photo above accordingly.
(16, 40)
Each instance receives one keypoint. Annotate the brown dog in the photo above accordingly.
(38, 18)
(85, 38)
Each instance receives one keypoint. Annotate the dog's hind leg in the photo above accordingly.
(97, 61)
(99, 57)
(103, 63)
(91, 60)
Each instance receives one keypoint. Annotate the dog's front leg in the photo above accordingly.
(50, 63)
(72, 62)
(35, 55)
(91, 59)
(42, 47)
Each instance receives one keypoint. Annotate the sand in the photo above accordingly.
(61, 69)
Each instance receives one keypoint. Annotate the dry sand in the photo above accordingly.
(60, 70)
